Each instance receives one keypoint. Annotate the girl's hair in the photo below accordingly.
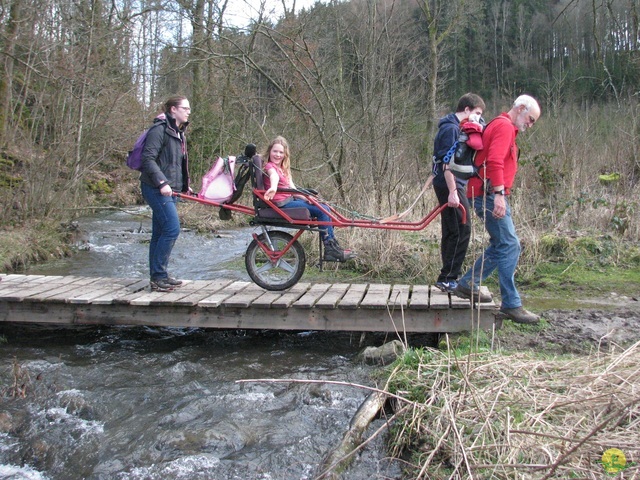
(173, 101)
(286, 161)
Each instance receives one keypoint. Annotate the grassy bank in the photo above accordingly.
(35, 242)
(514, 415)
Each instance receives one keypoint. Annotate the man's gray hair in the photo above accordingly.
(527, 100)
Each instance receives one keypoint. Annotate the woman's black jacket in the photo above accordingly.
(164, 158)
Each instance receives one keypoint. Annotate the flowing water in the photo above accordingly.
(107, 402)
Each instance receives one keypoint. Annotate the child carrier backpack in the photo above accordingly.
(134, 157)
(461, 156)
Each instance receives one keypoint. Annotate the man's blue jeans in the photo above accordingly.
(502, 253)
(164, 231)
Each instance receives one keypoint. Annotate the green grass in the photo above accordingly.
(568, 278)
(25, 245)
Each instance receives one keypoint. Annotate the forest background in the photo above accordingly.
(356, 86)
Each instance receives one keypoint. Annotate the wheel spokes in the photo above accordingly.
(284, 265)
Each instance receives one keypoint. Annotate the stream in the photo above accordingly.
(113, 402)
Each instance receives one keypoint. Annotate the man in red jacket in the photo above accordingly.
(498, 162)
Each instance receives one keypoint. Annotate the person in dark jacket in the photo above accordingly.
(450, 190)
(164, 171)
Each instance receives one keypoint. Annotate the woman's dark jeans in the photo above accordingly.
(164, 232)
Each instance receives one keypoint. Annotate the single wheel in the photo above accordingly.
(280, 273)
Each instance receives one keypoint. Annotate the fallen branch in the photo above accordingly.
(340, 457)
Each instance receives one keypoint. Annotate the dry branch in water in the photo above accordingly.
(520, 416)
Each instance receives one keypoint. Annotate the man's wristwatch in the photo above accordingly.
(498, 192)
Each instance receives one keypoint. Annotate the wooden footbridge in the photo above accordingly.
(229, 304)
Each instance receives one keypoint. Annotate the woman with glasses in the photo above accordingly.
(164, 171)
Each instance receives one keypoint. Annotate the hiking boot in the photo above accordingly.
(173, 281)
(161, 285)
(465, 292)
(447, 287)
(333, 252)
(519, 315)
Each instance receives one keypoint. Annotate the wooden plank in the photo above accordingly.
(147, 298)
(102, 287)
(457, 302)
(311, 296)
(27, 281)
(266, 299)
(46, 278)
(215, 300)
(16, 291)
(86, 295)
(399, 297)
(188, 287)
(129, 297)
(78, 289)
(290, 296)
(439, 299)
(88, 289)
(43, 291)
(132, 287)
(245, 298)
(207, 289)
(377, 296)
(352, 299)
(333, 296)
(419, 297)
(86, 280)
(17, 278)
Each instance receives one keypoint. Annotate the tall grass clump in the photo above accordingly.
(516, 416)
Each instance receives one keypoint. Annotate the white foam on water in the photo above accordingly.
(183, 467)
(13, 472)
(101, 248)
(71, 391)
(60, 415)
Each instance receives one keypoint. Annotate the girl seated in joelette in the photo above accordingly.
(278, 170)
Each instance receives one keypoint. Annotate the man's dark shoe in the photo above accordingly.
(478, 296)
(333, 252)
(519, 315)
(173, 281)
(161, 285)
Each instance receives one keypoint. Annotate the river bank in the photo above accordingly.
(528, 402)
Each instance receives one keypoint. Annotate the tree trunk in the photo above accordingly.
(6, 80)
